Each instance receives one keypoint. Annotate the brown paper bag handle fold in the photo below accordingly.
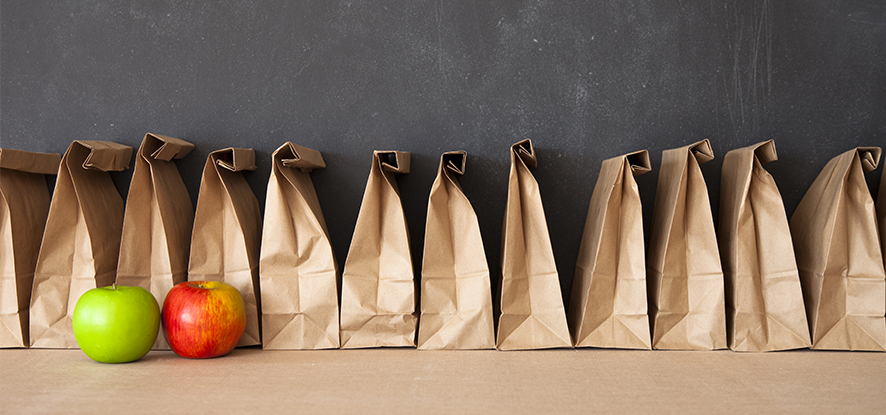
(170, 147)
(765, 151)
(526, 152)
(235, 159)
(702, 151)
(455, 161)
(870, 157)
(639, 162)
(302, 158)
(29, 162)
(393, 161)
(106, 155)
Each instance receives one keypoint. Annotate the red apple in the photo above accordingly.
(203, 319)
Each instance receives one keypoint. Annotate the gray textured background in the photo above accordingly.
(584, 80)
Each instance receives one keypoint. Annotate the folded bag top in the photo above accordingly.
(302, 158)
(81, 242)
(235, 159)
(24, 205)
(532, 312)
(393, 161)
(836, 242)
(106, 156)
(161, 147)
(29, 162)
(453, 162)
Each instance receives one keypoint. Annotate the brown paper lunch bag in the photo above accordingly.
(532, 312)
(297, 268)
(764, 301)
(24, 204)
(158, 221)
(608, 307)
(378, 285)
(81, 241)
(456, 298)
(881, 213)
(227, 232)
(686, 304)
(838, 254)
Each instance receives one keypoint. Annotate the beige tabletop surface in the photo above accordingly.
(416, 382)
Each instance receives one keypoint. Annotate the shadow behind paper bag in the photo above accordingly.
(684, 273)
(456, 299)
(764, 301)
(227, 232)
(24, 204)
(157, 224)
(299, 287)
(608, 303)
(82, 239)
(532, 312)
(838, 254)
(378, 284)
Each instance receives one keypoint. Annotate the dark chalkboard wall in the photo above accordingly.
(584, 80)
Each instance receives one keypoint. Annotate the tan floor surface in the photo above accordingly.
(421, 382)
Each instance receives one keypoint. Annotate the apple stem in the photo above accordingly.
(114, 285)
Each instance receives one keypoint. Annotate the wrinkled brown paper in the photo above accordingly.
(838, 254)
(881, 213)
(608, 303)
(24, 204)
(686, 304)
(227, 232)
(299, 287)
(532, 312)
(456, 299)
(378, 284)
(81, 241)
(158, 220)
(764, 301)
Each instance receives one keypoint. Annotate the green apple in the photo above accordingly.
(116, 324)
